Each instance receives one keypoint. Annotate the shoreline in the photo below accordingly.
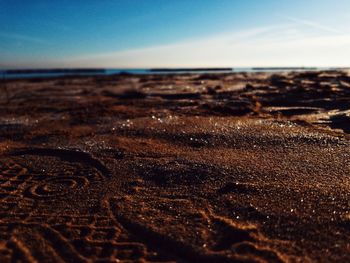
(75, 72)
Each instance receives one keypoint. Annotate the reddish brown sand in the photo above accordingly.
(186, 168)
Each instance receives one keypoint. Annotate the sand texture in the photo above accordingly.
(176, 168)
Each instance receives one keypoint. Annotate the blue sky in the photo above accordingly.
(166, 33)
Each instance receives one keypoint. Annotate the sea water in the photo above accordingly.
(7, 74)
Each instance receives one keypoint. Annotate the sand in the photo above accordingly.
(176, 168)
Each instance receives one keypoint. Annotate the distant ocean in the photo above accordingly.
(48, 73)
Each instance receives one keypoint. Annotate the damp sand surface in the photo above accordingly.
(240, 167)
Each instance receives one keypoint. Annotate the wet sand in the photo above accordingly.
(176, 168)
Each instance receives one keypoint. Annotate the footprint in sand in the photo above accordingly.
(50, 210)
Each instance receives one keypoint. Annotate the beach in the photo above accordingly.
(234, 167)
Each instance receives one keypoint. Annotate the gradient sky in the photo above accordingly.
(167, 33)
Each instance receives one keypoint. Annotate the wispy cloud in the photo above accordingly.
(285, 45)
(313, 24)
(282, 45)
(24, 38)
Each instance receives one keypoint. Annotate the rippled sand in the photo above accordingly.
(187, 168)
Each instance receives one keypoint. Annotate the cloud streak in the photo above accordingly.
(270, 46)
(313, 24)
(285, 45)
(20, 37)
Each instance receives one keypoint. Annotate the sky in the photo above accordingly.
(167, 33)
